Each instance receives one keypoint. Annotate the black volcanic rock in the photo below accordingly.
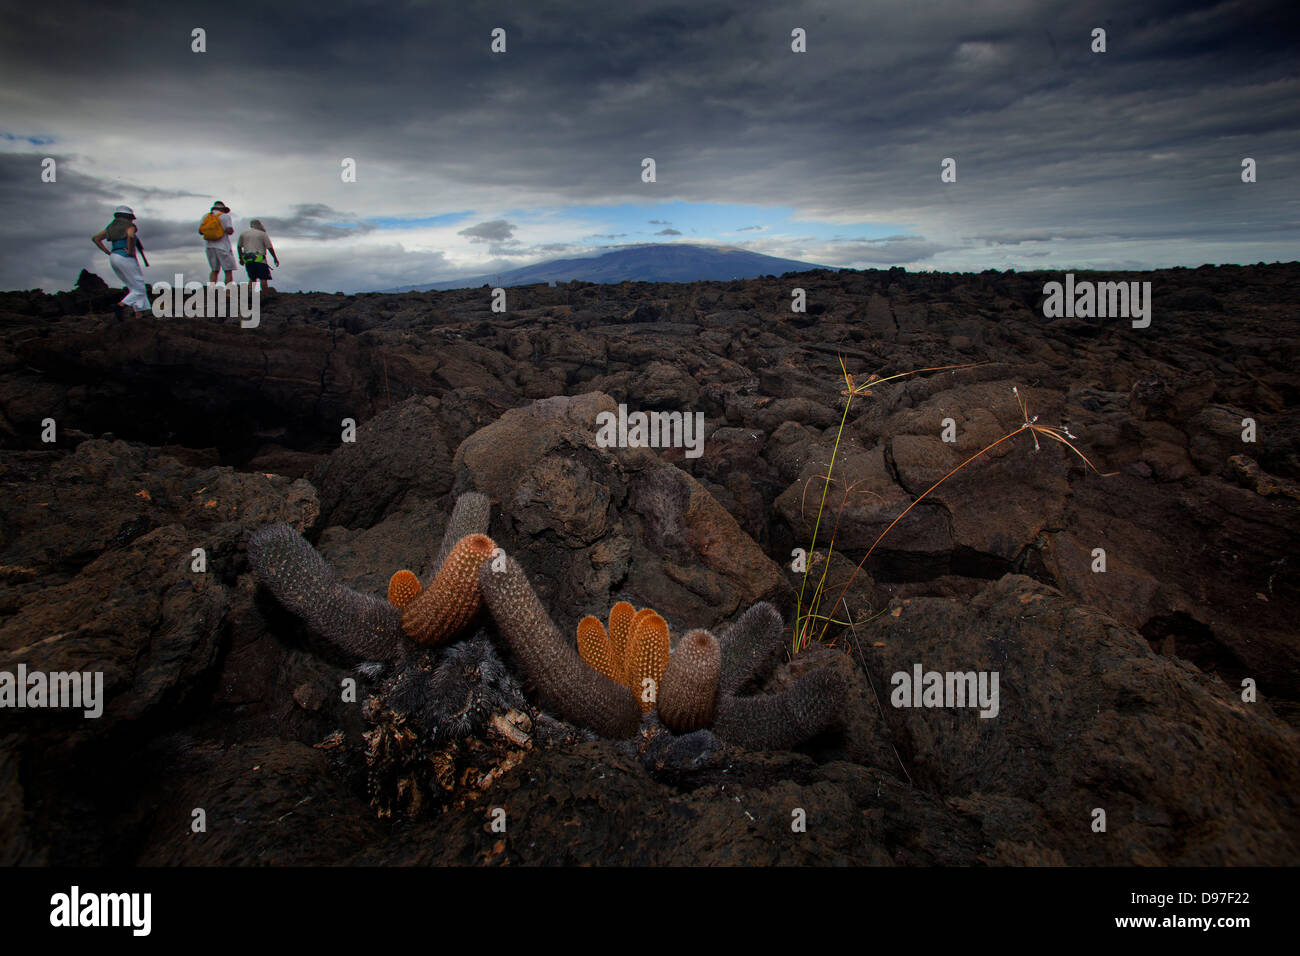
(90, 282)
(1090, 717)
(397, 455)
(1122, 688)
(610, 524)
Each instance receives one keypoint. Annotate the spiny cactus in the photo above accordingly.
(287, 565)
(579, 693)
(745, 650)
(365, 627)
(470, 515)
(403, 588)
(596, 648)
(689, 690)
(647, 657)
(749, 647)
(696, 684)
(633, 652)
(453, 597)
(781, 721)
(621, 616)
(770, 721)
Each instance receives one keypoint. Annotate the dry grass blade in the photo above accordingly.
(1056, 434)
(804, 618)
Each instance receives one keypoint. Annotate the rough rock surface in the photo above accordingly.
(1120, 689)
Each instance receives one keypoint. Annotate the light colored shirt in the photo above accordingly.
(254, 240)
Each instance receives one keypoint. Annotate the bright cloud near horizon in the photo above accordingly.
(470, 162)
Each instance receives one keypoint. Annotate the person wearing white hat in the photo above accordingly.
(121, 234)
(221, 258)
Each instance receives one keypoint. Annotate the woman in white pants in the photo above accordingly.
(121, 234)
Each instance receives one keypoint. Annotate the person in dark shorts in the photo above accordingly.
(254, 245)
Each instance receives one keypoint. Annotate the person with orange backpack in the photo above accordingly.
(217, 229)
(121, 234)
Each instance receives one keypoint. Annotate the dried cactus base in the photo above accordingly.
(413, 771)
(445, 730)
(408, 776)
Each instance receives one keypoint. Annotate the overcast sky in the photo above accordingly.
(470, 162)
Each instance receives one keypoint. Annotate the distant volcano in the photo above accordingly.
(663, 262)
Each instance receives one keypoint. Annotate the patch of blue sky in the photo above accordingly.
(33, 140)
(418, 222)
(696, 221)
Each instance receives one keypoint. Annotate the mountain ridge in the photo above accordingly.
(648, 262)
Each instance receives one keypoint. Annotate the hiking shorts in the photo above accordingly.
(257, 270)
(220, 260)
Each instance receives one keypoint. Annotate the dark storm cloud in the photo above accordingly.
(58, 218)
(889, 251)
(316, 221)
(498, 230)
(1141, 142)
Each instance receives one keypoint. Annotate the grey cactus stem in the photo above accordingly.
(781, 721)
(286, 564)
(470, 515)
(689, 690)
(578, 693)
(749, 646)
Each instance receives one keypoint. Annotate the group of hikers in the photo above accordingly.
(125, 252)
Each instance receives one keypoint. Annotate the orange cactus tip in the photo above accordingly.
(596, 649)
(479, 544)
(647, 657)
(620, 626)
(453, 597)
(403, 588)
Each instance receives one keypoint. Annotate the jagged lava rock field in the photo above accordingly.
(1120, 689)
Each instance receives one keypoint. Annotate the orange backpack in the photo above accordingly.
(211, 227)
